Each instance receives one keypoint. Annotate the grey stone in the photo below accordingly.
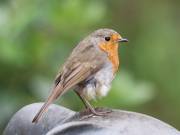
(61, 121)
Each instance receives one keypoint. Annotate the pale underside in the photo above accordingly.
(99, 84)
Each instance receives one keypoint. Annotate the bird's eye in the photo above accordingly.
(107, 38)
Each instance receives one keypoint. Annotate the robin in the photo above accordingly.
(89, 70)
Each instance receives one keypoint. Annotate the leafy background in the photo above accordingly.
(36, 36)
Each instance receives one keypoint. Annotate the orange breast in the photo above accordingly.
(112, 50)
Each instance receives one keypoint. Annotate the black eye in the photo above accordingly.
(107, 38)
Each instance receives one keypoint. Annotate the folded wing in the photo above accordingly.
(77, 75)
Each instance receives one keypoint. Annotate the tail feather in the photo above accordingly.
(55, 93)
(77, 75)
(40, 113)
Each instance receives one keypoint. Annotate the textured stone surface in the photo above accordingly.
(59, 120)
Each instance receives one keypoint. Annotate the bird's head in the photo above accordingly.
(108, 40)
(107, 37)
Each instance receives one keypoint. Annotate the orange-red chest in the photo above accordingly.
(112, 50)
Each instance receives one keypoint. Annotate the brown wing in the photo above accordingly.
(80, 73)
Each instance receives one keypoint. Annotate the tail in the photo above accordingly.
(58, 90)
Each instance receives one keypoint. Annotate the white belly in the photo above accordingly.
(101, 84)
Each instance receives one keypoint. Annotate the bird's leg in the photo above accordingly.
(79, 95)
(90, 107)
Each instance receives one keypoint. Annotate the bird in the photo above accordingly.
(89, 70)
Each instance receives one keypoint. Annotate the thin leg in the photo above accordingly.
(79, 95)
(89, 106)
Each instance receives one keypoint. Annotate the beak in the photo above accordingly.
(123, 40)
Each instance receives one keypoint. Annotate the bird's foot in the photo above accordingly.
(100, 111)
(105, 110)
(90, 112)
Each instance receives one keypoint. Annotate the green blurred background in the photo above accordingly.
(36, 36)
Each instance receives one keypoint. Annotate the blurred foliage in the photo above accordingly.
(36, 37)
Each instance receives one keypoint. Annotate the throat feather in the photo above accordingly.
(112, 51)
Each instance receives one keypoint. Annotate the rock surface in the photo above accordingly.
(61, 121)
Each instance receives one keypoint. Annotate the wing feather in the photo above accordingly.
(79, 74)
